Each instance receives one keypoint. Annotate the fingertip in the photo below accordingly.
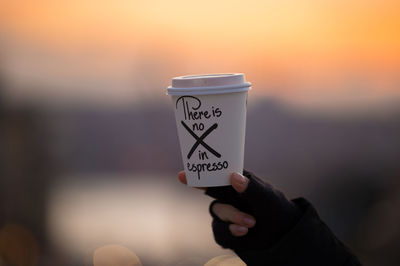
(239, 182)
(238, 230)
(249, 221)
(182, 177)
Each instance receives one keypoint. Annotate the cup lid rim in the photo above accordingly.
(208, 84)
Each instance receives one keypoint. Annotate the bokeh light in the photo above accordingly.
(18, 246)
(225, 260)
(115, 255)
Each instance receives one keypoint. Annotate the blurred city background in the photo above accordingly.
(88, 145)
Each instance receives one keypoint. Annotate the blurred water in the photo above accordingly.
(156, 217)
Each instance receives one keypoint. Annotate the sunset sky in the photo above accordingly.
(111, 50)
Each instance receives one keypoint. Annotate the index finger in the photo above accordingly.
(183, 180)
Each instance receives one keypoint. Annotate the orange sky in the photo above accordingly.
(274, 42)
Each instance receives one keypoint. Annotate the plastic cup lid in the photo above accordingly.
(208, 84)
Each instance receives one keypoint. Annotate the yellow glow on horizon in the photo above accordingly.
(326, 25)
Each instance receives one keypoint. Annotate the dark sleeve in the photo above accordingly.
(310, 242)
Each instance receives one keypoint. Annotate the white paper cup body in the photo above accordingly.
(211, 130)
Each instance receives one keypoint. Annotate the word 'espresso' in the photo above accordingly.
(210, 167)
(191, 109)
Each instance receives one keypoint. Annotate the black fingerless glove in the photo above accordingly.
(274, 214)
(286, 232)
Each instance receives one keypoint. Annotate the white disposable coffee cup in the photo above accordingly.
(210, 112)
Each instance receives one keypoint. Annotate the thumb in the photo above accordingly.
(239, 182)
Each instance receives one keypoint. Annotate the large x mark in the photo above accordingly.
(199, 140)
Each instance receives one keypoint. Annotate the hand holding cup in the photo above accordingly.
(250, 214)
